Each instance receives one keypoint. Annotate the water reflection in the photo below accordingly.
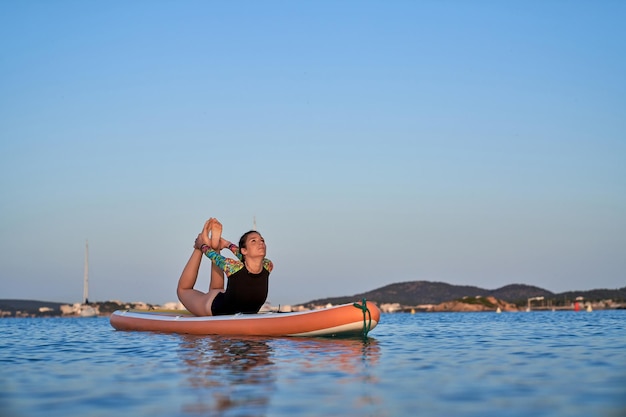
(349, 356)
(228, 373)
(243, 376)
(330, 376)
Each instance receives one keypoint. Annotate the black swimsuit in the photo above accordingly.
(245, 293)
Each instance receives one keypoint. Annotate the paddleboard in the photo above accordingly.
(345, 320)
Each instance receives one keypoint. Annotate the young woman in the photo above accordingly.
(248, 275)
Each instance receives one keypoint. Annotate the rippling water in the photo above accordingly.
(425, 364)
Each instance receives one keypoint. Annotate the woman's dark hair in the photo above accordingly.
(242, 241)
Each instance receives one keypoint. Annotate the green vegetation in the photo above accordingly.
(477, 300)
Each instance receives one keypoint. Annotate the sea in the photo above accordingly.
(560, 363)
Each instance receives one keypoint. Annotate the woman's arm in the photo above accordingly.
(225, 244)
(228, 265)
(235, 250)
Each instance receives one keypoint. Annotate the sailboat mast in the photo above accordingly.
(86, 280)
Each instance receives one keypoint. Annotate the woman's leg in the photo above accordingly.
(217, 275)
(197, 302)
(217, 278)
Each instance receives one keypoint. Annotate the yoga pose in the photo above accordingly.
(248, 275)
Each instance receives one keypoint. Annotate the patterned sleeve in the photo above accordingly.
(228, 265)
(235, 250)
(267, 264)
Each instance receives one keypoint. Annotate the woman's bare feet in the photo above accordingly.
(204, 236)
(216, 234)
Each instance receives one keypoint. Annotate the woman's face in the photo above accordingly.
(255, 245)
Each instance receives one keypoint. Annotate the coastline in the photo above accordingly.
(35, 308)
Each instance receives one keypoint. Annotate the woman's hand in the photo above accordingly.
(198, 243)
(203, 237)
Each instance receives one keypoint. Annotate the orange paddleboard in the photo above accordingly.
(355, 319)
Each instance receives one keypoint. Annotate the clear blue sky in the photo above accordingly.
(469, 142)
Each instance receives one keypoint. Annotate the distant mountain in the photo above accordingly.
(415, 293)
(598, 294)
(520, 292)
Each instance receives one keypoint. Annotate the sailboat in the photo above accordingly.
(85, 309)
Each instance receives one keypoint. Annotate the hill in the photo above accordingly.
(29, 306)
(416, 293)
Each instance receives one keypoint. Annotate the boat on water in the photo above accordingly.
(346, 320)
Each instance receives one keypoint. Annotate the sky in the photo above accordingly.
(469, 142)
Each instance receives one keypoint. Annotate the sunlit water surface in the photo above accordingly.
(425, 364)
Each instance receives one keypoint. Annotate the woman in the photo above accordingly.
(248, 275)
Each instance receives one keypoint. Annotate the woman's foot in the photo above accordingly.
(204, 236)
(216, 234)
